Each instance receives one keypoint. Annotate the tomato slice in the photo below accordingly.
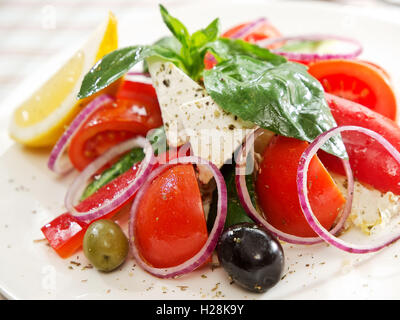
(65, 233)
(357, 81)
(134, 112)
(370, 162)
(170, 225)
(277, 189)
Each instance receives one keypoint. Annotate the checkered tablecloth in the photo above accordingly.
(33, 31)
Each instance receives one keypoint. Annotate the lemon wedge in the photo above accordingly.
(42, 118)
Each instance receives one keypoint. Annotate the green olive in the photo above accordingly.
(105, 245)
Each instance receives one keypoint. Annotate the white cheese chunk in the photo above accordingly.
(214, 134)
(371, 210)
(190, 115)
(173, 88)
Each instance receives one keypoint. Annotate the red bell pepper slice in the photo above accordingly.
(65, 233)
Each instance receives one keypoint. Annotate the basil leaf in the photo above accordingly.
(122, 165)
(282, 98)
(169, 43)
(115, 64)
(202, 37)
(225, 49)
(198, 48)
(185, 51)
(176, 27)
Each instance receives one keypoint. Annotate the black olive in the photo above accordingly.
(252, 256)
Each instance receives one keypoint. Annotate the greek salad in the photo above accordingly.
(228, 143)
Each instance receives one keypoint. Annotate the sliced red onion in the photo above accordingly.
(58, 162)
(245, 200)
(313, 56)
(78, 185)
(248, 28)
(199, 258)
(303, 197)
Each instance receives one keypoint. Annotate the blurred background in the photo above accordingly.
(34, 31)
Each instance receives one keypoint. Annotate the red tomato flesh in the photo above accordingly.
(134, 112)
(370, 162)
(170, 225)
(357, 81)
(277, 189)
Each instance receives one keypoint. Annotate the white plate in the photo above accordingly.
(32, 196)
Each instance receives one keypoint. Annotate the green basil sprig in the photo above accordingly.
(186, 52)
(249, 81)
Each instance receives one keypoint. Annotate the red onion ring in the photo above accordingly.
(201, 257)
(55, 162)
(77, 186)
(302, 189)
(248, 28)
(245, 200)
(313, 56)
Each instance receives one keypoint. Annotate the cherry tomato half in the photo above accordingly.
(170, 224)
(357, 81)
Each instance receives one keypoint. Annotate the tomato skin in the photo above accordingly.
(357, 81)
(170, 226)
(65, 233)
(378, 68)
(370, 162)
(277, 189)
(134, 112)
